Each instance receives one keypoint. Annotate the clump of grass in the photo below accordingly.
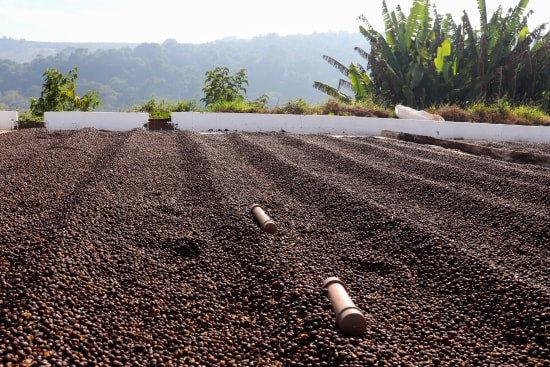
(452, 113)
(237, 106)
(333, 107)
(482, 112)
(532, 114)
(502, 112)
(297, 107)
(241, 105)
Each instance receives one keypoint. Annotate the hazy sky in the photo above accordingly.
(207, 20)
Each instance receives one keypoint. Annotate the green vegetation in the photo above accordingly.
(499, 112)
(531, 115)
(363, 109)
(59, 94)
(427, 59)
(226, 93)
(301, 107)
(296, 107)
(163, 108)
(498, 73)
(240, 106)
(220, 86)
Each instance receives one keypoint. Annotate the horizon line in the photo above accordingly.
(223, 39)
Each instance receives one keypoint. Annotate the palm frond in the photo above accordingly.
(413, 20)
(379, 44)
(361, 68)
(424, 27)
(482, 14)
(390, 25)
(358, 83)
(333, 92)
(516, 16)
(471, 41)
(400, 15)
(342, 83)
(343, 69)
(364, 54)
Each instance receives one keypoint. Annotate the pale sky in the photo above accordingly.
(201, 21)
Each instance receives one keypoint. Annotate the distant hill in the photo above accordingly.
(127, 74)
(26, 51)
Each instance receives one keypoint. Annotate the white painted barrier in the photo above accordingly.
(8, 120)
(112, 121)
(356, 126)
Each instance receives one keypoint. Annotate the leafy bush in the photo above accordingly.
(220, 86)
(59, 94)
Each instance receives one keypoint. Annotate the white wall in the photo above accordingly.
(357, 126)
(112, 121)
(8, 120)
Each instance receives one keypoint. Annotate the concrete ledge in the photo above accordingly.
(112, 121)
(8, 120)
(357, 126)
(503, 154)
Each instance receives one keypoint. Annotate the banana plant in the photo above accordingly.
(425, 58)
(498, 58)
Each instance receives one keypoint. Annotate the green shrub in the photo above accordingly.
(220, 86)
(59, 94)
(163, 109)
